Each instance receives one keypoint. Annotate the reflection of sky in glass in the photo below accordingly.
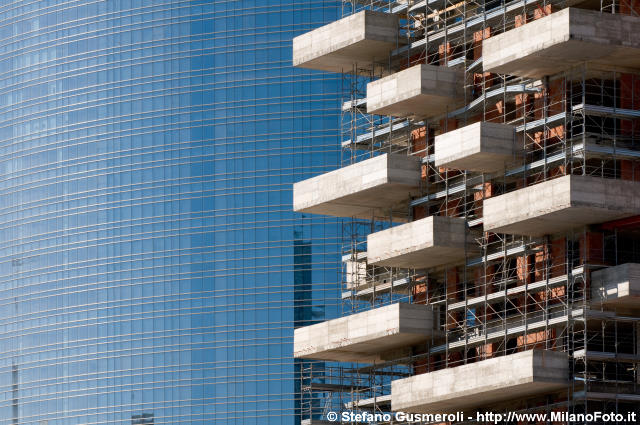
(148, 253)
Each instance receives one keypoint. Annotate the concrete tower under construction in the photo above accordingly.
(490, 192)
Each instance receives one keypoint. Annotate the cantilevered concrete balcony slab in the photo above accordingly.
(379, 334)
(481, 384)
(374, 186)
(420, 91)
(484, 147)
(617, 286)
(562, 40)
(428, 242)
(561, 204)
(360, 39)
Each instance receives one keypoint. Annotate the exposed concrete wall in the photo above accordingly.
(483, 146)
(367, 337)
(372, 186)
(617, 286)
(483, 383)
(561, 204)
(428, 242)
(420, 91)
(564, 39)
(355, 273)
(362, 38)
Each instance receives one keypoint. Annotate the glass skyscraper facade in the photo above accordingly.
(151, 269)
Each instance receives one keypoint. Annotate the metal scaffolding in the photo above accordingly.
(519, 292)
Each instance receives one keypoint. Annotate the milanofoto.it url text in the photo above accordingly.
(488, 417)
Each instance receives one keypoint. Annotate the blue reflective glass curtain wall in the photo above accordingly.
(151, 269)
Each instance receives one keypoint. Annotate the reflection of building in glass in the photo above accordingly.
(15, 402)
(143, 419)
(302, 261)
(305, 314)
(147, 256)
(494, 168)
